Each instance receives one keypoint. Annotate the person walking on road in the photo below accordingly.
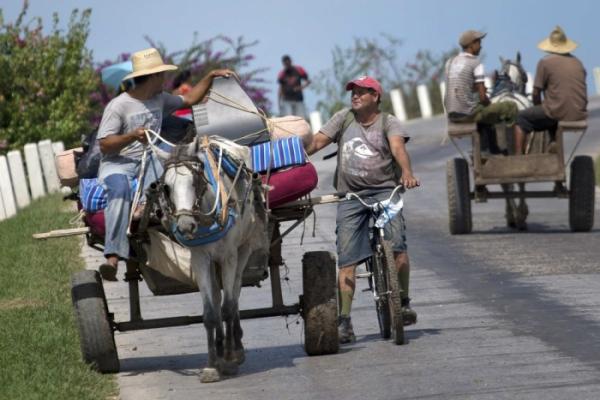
(122, 137)
(560, 76)
(371, 145)
(292, 80)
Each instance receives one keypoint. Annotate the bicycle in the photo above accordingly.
(381, 272)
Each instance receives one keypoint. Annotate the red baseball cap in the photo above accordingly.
(365, 82)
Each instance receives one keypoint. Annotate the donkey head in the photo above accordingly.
(184, 186)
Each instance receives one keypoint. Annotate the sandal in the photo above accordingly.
(108, 272)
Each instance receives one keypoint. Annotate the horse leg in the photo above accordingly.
(511, 207)
(209, 290)
(522, 210)
(238, 348)
(228, 310)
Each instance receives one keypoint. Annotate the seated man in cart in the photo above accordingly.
(560, 76)
(122, 137)
(371, 145)
(466, 98)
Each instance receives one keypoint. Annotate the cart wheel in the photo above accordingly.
(459, 201)
(395, 303)
(319, 303)
(95, 331)
(582, 194)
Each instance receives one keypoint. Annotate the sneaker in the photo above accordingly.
(345, 331)
(409, 316)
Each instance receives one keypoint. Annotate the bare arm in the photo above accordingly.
(197, 93)
(401, 157)
(483, 99)
(114, 143)
(537, 96)
(319, 141)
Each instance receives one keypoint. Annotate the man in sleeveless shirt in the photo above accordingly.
(122, 137)
(560, 76)
(368, 154)
(466, 99)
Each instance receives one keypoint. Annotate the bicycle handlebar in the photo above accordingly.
(351, 195)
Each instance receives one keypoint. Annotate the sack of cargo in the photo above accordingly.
(66, 163)
(291, 125)
(291, 184)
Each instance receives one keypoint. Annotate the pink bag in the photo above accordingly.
(291, 184)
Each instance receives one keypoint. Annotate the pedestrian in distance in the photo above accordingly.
(292, 80)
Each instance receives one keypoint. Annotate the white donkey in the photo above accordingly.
(510, 84)
(224, 222)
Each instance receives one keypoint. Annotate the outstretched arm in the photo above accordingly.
(319, 141)
(197, 93)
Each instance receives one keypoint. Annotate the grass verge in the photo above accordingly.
(39, 344)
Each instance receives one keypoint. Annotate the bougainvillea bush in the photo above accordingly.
(45, 80)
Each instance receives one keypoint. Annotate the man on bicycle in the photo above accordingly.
(371, 147)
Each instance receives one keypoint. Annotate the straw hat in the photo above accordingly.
(147, 62)
(557, 42)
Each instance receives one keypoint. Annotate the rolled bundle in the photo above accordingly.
(290, 125)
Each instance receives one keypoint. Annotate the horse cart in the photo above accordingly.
(317, 304)
(544, 164)
(163, 264)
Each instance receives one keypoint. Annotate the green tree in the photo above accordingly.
(378, 57)
(45, 80)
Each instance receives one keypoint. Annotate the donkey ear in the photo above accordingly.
(192, 147)
(518, 57)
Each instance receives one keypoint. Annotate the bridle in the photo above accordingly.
(200, 183)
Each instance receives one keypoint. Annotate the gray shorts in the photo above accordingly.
(353, 220)
(535, 119)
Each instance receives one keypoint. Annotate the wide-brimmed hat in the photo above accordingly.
(365, 82)
(147, 62)
(557, 42)
(468, 37)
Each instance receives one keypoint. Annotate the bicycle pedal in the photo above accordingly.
(364, 275)
(366, 290)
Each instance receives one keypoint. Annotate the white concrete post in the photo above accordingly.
(443, 91)
(424, 101)
(17, 174)
(6, 190)
(49, 165)
(398, 104)
(58, 147)
(529, 85)
(34, 170)
(315, 121)
(2, 212)
(597, 79)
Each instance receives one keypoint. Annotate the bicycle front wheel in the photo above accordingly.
(395, 291)
(378, 270)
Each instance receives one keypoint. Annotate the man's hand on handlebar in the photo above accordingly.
(409, 181)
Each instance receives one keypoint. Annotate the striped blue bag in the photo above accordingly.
(93, 196)
(286, 152)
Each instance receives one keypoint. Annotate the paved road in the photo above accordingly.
(502, 314)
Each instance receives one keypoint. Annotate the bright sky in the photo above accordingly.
(309, 29)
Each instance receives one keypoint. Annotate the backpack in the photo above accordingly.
(348, 119)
